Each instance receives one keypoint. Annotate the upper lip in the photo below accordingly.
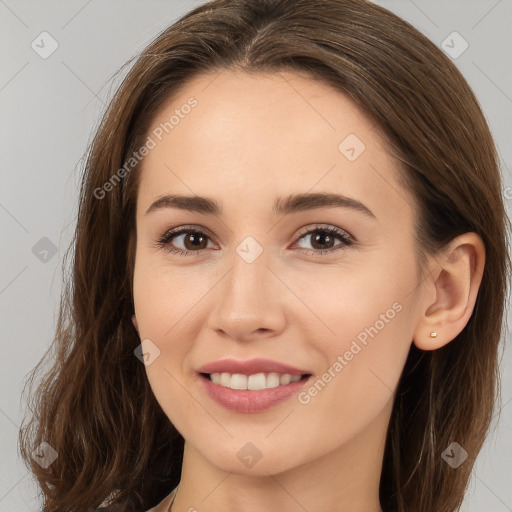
(249, 367)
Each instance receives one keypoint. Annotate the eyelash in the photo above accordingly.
(347, 240)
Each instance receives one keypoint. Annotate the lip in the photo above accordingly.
(245, 400)
(249, 367)
(248, 401)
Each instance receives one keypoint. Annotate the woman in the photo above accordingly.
(289, 251)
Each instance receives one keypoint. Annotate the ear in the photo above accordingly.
(134, 322)
(454, 281)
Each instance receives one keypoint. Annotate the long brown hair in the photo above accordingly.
(94, 406)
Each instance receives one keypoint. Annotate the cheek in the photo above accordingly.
(167, 305)
(363, 364)
(164, 296)
(164, 308)
(344, 301)
(369, 318)
(368, 303)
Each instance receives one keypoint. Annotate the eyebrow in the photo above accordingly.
(282, 206)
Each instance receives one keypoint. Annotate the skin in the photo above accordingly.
(250, 139)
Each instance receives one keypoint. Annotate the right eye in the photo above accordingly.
(191, 237)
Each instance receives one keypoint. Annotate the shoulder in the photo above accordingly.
(108, 508)
(164, 505)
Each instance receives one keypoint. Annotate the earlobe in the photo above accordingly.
(456, 279)
(135, 323)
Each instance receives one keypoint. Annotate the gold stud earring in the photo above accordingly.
(433, 334)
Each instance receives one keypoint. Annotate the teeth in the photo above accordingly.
(253, 382)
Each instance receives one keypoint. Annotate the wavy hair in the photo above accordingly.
(94, 405)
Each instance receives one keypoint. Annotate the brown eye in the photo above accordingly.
(323, 240)
(194, 240)
(187, 240)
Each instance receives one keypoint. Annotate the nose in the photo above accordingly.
(249, 301)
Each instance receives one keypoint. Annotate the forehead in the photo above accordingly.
(243, 137)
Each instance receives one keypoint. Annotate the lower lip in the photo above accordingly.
(244, 400)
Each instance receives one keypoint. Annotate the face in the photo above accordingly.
(329, 288)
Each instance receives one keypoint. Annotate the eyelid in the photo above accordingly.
(303, 231)
(342, 234)
(164, 239)
(187, 228)
(327, 227)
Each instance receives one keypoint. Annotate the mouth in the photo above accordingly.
(253, 382)
(253, 392)
(251, 385)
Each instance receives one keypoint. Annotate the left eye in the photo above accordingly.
(322, 239)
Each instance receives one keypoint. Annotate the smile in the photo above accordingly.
(253, 382)
(245, 398)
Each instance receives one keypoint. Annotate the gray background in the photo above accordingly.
(49, 109)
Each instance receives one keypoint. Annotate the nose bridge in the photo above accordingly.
(246, 301)
(249, 275)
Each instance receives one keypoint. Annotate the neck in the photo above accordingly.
(344, 479)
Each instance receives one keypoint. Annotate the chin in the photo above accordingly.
(256, 458)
